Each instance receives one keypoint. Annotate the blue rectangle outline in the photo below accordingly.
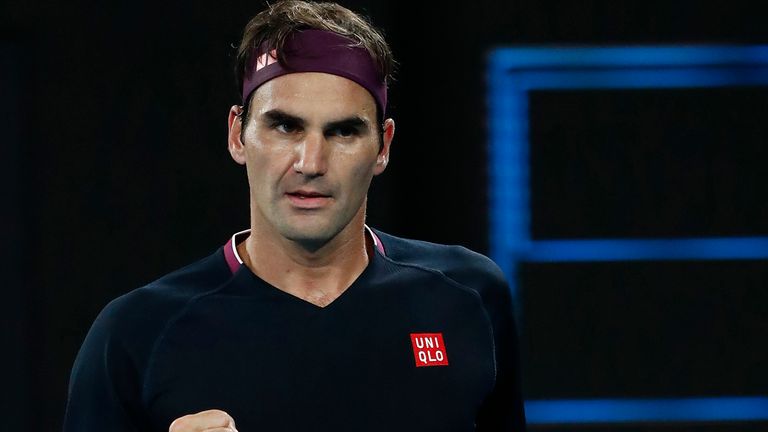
(611, 67)
(512, 73)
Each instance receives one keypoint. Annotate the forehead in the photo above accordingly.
(314, 95)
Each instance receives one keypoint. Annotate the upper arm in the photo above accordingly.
(104, 390)
(503, 409)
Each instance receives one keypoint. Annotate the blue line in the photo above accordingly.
(520, 82)
(508, 170)
(713, 409)
(642, 56)
(724, 248)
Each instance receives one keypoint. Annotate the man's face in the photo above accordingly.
(311, 148)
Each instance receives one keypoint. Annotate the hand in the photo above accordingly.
(204, 421)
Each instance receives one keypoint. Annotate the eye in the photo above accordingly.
(344, 131)
(285, 127)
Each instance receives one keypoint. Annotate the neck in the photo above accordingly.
(317, 274)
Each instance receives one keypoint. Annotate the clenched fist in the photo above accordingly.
(204, 421)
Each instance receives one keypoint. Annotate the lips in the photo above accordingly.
(308, 194)
(307, 199)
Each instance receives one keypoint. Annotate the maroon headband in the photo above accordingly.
(315, 50)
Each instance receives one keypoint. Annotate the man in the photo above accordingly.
(310, 320)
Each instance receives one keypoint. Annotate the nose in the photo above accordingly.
(311, 159)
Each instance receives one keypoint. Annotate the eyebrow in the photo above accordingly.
(279, 116)
(356, 122)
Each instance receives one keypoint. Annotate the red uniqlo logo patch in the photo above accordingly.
(429, 349)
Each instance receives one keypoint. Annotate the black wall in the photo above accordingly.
(115, 169)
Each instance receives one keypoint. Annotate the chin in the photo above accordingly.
(311, 231)
(312, 237)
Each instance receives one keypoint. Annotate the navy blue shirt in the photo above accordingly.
(423, 340)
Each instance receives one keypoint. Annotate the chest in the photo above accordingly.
(382, 362)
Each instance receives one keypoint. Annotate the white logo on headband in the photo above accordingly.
(265, 60)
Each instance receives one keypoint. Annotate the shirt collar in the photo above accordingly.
(234, 261)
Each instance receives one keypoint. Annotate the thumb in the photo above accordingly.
(231, 425)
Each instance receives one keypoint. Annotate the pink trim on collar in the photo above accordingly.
(376, 241)
(229, 256)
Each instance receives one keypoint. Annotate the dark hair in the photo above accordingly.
(272, 26)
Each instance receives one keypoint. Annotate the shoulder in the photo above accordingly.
(144, 311)
(114, 358)
(462, 265)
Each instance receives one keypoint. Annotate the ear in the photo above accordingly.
(387, 135)
(234, 144)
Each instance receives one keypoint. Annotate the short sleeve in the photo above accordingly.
(104, 393)
(503, 409)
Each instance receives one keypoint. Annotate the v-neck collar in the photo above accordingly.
(240, 270)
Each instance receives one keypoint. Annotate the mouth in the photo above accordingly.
(307, 194)
(308, 199)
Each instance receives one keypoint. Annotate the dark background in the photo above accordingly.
(114, 167)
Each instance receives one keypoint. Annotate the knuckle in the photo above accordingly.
(179, 425)
(217, 415)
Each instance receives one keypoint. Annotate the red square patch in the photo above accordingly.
(429, 349)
